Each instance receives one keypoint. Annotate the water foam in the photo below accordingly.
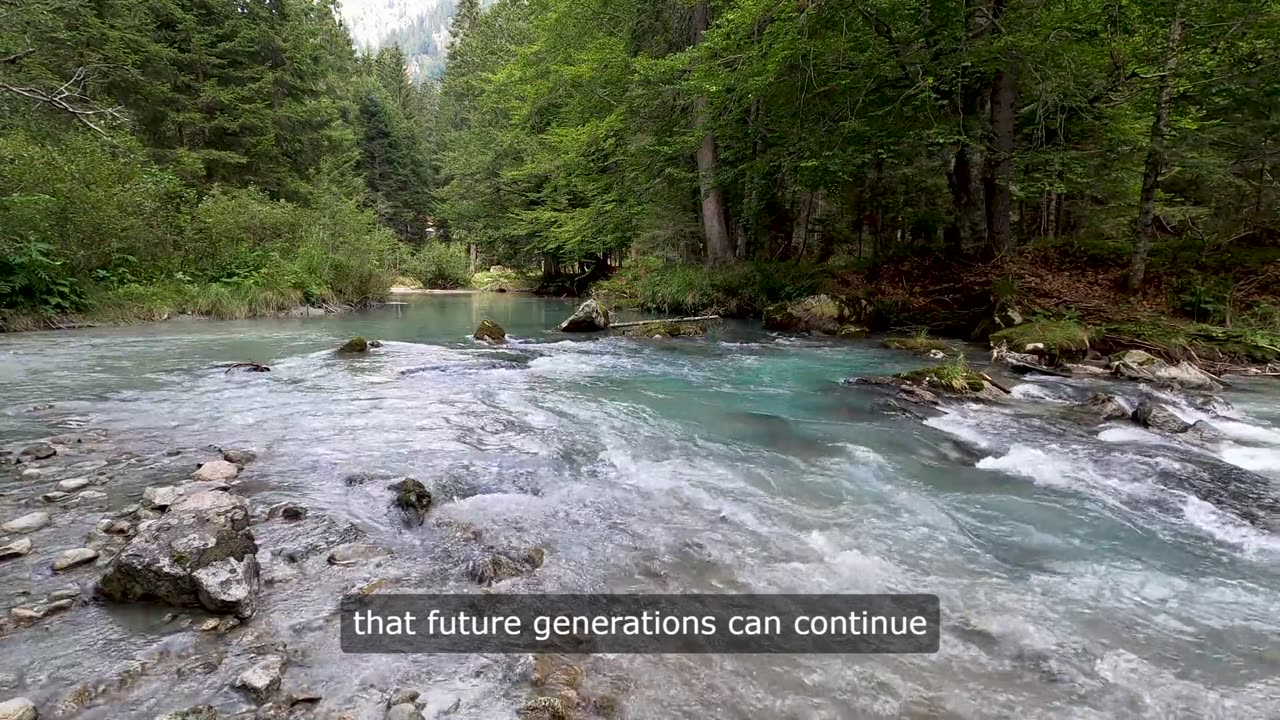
(1227, 528)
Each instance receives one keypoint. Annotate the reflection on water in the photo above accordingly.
(1084, 572)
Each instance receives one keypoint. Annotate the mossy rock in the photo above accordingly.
(491, 332)
(954, 378)
(816, 313)
(918, 343)
(661, 328)
(852, 331)
(355, 345)
(1053, 338)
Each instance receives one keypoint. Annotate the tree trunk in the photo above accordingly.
(1155, 156)
(965, 179)
(1000, 172)
(719, 244)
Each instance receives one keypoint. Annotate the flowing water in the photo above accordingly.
(1085, 571)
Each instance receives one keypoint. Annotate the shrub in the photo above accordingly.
(439, 265)
(738, 290)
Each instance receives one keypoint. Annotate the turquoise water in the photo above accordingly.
(1085, 572)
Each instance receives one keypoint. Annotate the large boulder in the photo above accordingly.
(590, 316)
(18, 709)
(1143, 366)
(490, 332)
(200, 554)
(816, 313)
(1187, 376)
(1158, 417)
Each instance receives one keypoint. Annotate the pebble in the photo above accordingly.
(27, 523)
(15, 549)
(73, 484)
(57, 606)
(75, 557)
(262, 680)
(92, 496)
(209, 625)
(70, 593)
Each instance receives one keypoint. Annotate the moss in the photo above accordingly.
(1059, 337)
(918, 343)
(355, 345)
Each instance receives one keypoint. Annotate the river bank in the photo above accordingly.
(1076, 559)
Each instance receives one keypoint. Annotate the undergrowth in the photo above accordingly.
(740, 290)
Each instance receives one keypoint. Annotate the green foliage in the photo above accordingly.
(733, 291)
(1059, 337)
(32, 277)
(505, 278)
(438, 265)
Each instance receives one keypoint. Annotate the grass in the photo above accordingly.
(1174, 340)
(1059, 337)
(920, 342)
(739, 290)
(955, 377)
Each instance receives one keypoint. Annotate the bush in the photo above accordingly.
(438, 265)
(740, 290)
(33, 277)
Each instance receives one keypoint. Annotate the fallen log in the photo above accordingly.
(995, 384)
(638, 323)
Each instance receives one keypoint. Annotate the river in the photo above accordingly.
(1084, 572)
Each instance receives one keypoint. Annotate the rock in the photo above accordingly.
(936, 355)
(1007, 317)
(500, 566)
(57, 606)
(239, 457)
(55, 496)
(73, 484)
(374, 344)
(817, 313)
(545, 708)
(70, 593)
(1137, 358)
(18, 709)
(24, 616)
(76, 557)
(1205, 432)
(229, 586)
(262, 680)
(404, 711)
(1187, 376)
(164, 560)
(402, 696)
(1086, 369)
(288, 511)
(216, 471)
(27, 523)
(160, 497)
(590, 316)
(91, 496)
(209, 625)
(199, 712)
(659, 329)
(491, 332)
(39, 451)
(15, 549)
(356, 553)
(354, 345)
(1157, 417)
(413, 498)
(1106, 407)
(856, 331)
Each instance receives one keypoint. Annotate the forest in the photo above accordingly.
(1083, 160)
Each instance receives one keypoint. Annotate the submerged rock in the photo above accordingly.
(356, 553)
(413, 498)
(491, 332)
(500, 565)
(26, 523)
(1105, 407)
(354, 345)
(817, 313)
(200, 554)
(15, 549)
(216, 471)
(18, 708)
(403, 711)
(39, 451)
(262, 680)
(667, 329)
(590, 316)
(76, 557)
(239, 457)
(199, 712)
(1157, 417)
